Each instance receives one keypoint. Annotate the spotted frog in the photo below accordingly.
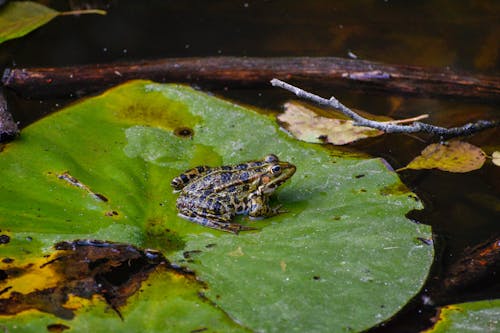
(212, 196)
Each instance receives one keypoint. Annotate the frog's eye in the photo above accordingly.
(276, 169)
(271, 158)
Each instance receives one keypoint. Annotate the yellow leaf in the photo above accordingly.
(454, 156)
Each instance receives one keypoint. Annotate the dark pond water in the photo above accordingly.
(463, 209)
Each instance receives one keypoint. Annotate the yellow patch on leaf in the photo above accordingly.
(454, 156)
(237, 253)
(28, 277)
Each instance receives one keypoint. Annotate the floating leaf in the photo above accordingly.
(454, 156)
(101, 169)
(18, 18)
(481, 316)
(306, 125)
(495, 157)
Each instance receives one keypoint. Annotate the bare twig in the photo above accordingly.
(415, 127)
(407, 120)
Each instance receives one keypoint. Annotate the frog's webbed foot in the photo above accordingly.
(216, 222)
(235, 228)
(278, 210)
(259, 208)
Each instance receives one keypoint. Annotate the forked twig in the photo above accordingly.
(388, 127)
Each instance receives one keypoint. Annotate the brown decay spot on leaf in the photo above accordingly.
(307, 124)
(184, 132)
(57, 328)
(111, 213)
(4, 239)
(84, 269)
(454, 156)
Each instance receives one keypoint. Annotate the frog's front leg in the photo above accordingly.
(258, 206)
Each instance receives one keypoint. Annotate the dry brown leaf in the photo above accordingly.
(306, 125)
(454, 156)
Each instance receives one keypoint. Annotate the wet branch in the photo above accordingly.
(332, 72)
(415, 127)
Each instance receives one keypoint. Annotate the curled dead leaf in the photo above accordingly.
(306, 124)
(454, 156)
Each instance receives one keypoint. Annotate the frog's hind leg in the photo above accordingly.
(215, 222)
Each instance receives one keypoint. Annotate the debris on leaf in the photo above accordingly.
(454, 156)
(495, 157)
(81, 269)
(306, 124)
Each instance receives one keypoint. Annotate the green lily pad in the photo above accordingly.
(343, 256)
(480, 316)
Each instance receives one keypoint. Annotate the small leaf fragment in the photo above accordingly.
(19, 18)
(454, 156)
(496, 158)
(306, 125)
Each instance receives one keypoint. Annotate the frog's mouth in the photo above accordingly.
(287, 171)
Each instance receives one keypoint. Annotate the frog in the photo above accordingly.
(213, 196)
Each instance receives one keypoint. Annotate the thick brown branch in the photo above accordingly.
(328, 71)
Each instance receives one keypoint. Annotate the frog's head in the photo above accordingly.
(276, 173)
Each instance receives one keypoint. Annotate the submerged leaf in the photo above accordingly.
(306, 125)
(454, 156)
(18, 18)
(101, 169)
